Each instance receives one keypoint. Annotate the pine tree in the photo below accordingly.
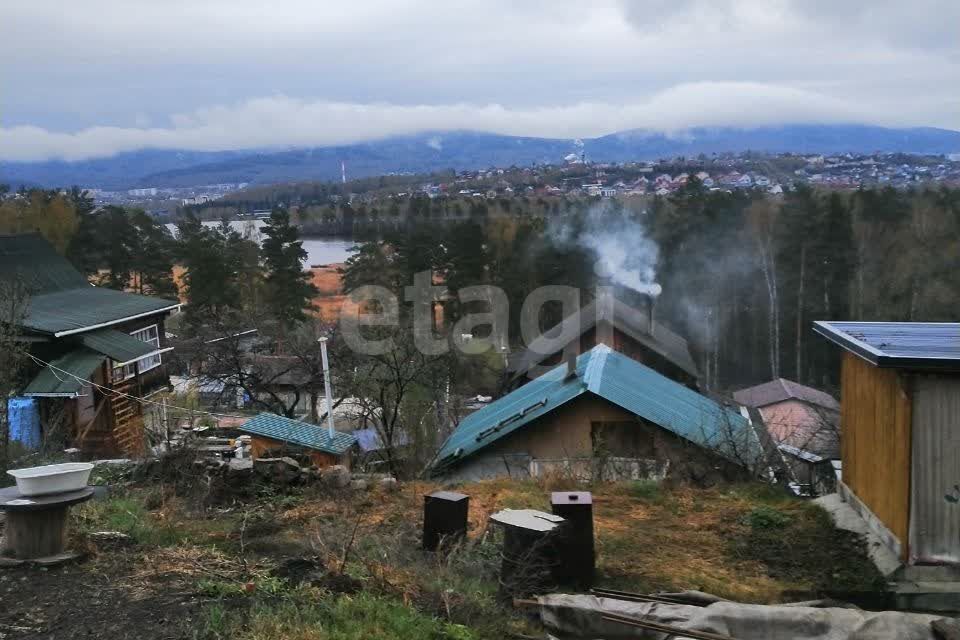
(212, 271)
(154, 266)
(289, 290)
(119, 245)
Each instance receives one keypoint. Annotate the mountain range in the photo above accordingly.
(461, 150)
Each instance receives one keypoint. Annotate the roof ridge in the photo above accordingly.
(595, 366)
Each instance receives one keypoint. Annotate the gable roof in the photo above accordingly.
(30, 259)
(609, 309)
(619, 379)
(914, 345)
(782, 389)
(304, 434)
(61, 300)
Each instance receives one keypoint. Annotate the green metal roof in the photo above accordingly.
(619, 379)
(304, 434)
(85, 308)
(30, 259)
(56, 380)
(61, 300)
(121, 347)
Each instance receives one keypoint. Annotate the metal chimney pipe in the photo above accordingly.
(326, 386)
(571, 365)
(651, 305)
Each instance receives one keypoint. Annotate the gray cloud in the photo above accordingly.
(109, 75)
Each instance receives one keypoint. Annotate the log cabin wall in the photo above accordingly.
(876, 442)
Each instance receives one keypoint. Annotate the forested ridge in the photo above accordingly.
(743, 274)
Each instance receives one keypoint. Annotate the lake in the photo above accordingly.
(319, 250)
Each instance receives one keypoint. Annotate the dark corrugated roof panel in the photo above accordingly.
(618, 379)
(121, 347)
(56, 379)
(75, 310)
(304, 434)
(909, 345)
(31, 260)
(61, 300)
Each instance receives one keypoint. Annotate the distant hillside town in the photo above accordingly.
(575, 177)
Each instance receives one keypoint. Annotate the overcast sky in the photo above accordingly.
(88, 78)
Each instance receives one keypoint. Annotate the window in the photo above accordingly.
(150, 335)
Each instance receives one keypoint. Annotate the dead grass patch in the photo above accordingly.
(747, 543)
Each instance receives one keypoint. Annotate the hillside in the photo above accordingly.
(432, 151)
(310, 561)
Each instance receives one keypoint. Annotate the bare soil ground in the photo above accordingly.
(99, 599)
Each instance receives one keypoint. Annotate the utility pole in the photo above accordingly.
(166, 425)
(326, 385)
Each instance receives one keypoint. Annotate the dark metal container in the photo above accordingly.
(575, 538)
(444, 518)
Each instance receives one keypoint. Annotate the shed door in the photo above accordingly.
(935, 475)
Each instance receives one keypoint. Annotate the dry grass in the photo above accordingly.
(741, 542)
(668, 538)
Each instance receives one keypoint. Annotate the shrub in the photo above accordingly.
(646, 490)
(765, 517)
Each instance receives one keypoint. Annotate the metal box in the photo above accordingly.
(444, 518)
(575, 547)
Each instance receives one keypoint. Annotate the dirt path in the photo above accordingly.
(94, 600)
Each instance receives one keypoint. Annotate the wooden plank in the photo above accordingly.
(34, 534)
(876, 434)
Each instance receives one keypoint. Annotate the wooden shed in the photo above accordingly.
(273, 435)
(900, 433)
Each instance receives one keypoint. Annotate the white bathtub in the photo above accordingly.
(52, 478)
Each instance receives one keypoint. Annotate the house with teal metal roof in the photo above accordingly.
(602, 414)
(276, 435)
(90, 348)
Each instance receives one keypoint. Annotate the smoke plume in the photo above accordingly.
(623, 251)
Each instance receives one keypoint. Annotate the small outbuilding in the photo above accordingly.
(900, 427)
(803, 423)
(274, 436)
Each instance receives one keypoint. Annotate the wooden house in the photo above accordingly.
(602, 415)
(91, 349)
(275, 436)
(900, 427)
(610, 321)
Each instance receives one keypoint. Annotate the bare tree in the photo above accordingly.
(808, 444)
(762, 215)
(242, 353)
(400, 392)
(13, 307)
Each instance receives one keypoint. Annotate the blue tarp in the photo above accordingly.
(24, 416)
